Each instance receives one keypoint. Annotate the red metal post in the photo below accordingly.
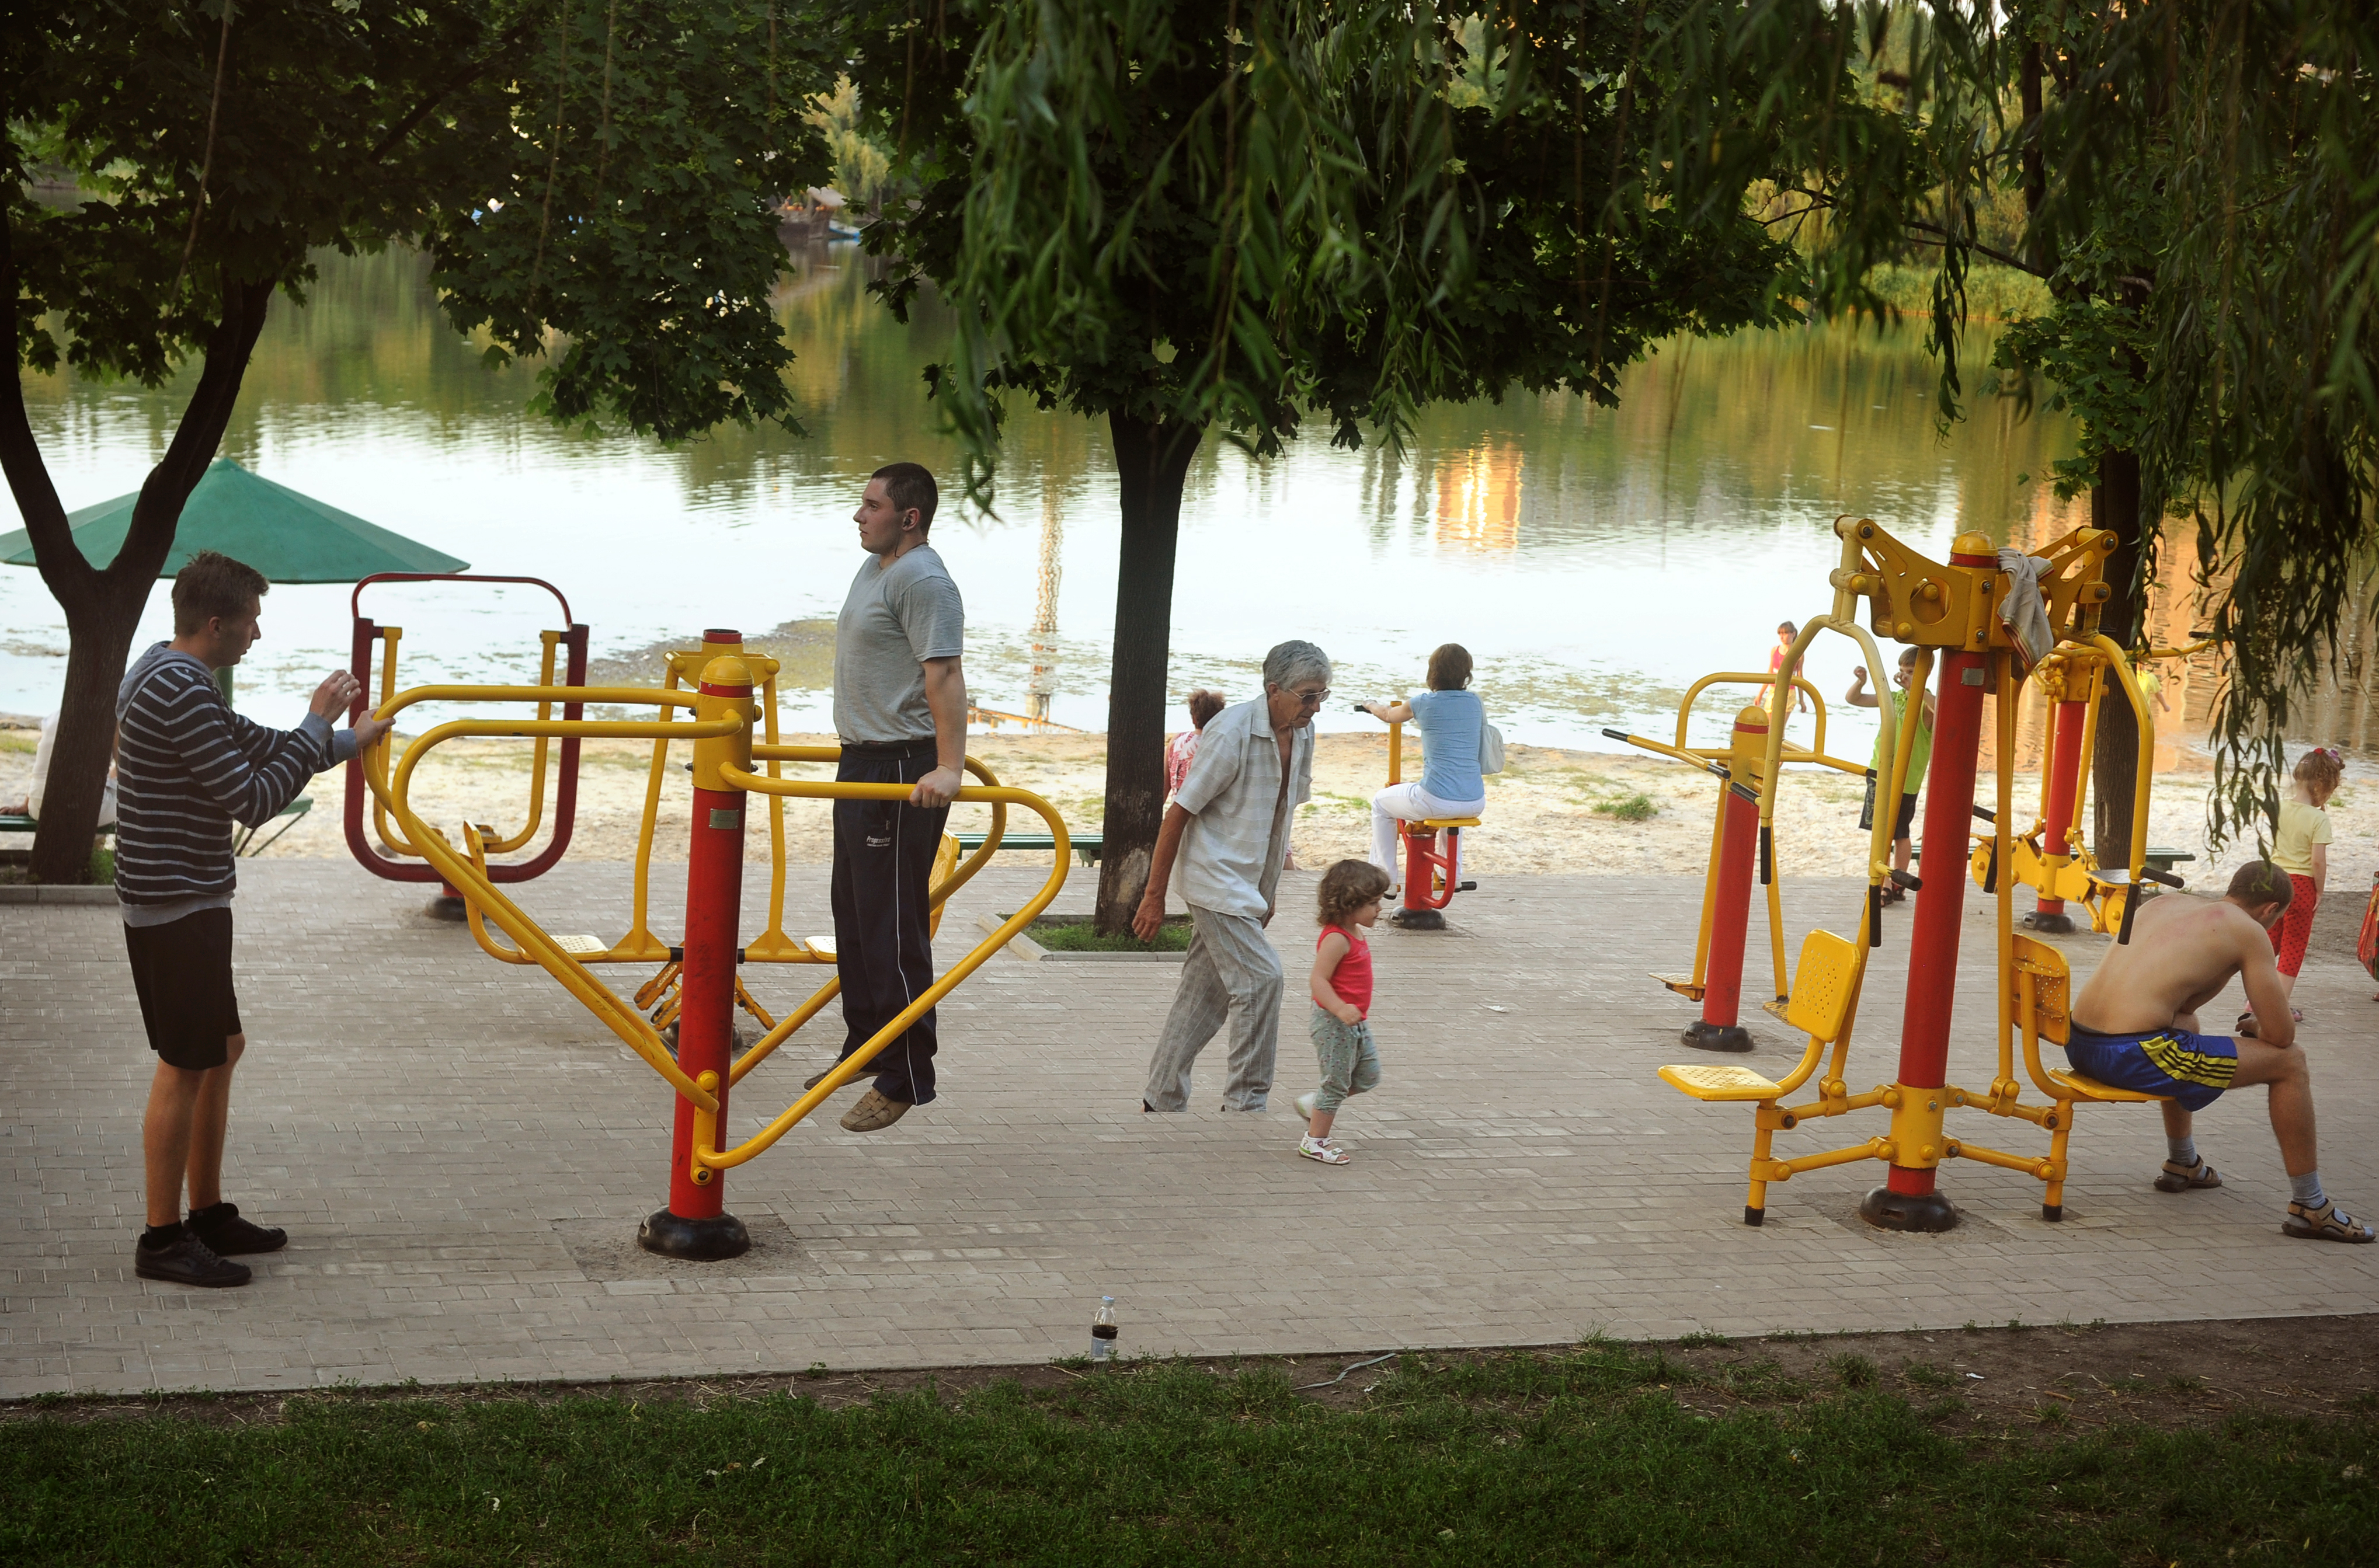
(2064, 791)
(695, 1224)
(1908, 1200)
(1738, 852)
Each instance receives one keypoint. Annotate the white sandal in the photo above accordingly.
(1322, 1149)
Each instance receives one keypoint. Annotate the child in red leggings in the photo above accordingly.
(2301, 847)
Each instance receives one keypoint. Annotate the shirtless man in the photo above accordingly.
(2135, 1027)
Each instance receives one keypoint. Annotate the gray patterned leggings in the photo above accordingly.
(1350, 1059)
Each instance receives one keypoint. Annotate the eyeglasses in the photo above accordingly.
(1312, 699)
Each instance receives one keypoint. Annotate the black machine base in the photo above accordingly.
(446, 906)
(1887, 1210)
(2049, 924)
(701, 1241)
(1717, 1037)
(1418, 920)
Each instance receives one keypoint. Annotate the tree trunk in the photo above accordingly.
(1152, 461)
(2114, 773)
(102, 605)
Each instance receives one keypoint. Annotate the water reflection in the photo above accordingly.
(1594, 560)
(1478, 498)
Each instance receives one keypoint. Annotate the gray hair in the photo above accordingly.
(1294, 661)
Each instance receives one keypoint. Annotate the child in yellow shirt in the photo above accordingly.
(2301, 847)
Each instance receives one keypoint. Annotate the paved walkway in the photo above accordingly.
(462, 1156)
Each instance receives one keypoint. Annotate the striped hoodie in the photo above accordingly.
(186, 768)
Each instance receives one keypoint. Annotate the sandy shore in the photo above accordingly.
(1549, 813)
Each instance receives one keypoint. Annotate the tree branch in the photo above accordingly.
(1975, 245)
(196, 436)
(422, 110)
(1819, 199)
(64, 570)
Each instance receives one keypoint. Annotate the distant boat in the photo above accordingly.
(837, 229)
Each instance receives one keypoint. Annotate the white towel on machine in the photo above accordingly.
(2023, 612)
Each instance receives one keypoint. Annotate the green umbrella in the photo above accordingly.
(289, 538)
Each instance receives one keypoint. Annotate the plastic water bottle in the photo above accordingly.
(1103, 1331)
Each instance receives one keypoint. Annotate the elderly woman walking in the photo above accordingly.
(1452, 724)
(1227, 829)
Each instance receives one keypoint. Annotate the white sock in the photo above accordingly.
(2306, 1189)
(2181, 1151)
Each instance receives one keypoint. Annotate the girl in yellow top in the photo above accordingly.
(2301, 847)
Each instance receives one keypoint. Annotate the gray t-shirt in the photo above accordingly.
(899, 614)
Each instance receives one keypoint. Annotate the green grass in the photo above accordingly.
(1083, 937)
(1637, 807)
(1571, 1458)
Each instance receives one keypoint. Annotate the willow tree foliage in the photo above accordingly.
(1223, 218)
(594, 178)
(2198, 190)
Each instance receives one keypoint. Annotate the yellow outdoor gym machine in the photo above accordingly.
(1742, 823)
(1955, 608)
(697, 987)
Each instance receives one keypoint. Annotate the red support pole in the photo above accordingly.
(1738, 851)
(1908, 1200)
(2064, 791)
(696, 1224)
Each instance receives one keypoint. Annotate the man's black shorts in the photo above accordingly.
(183, 973)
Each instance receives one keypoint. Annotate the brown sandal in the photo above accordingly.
(2328, 1222)
(2184, 1178)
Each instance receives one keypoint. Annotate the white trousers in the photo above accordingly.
(1408, 802)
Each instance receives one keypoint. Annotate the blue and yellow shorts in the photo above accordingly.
(2192, 1069)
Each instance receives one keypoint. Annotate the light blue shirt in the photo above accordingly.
(1451, 724)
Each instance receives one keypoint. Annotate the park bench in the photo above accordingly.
(1086, 845)
(17, 822)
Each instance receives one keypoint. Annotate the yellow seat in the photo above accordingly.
(2044, 987)
(1823, 985)
(1707, 1080)
(2091, 1089)
(1822, 989)
(1435, 823)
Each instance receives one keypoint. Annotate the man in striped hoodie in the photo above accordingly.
(187, 768)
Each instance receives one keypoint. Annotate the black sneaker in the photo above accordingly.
(228, 1236)
(187, 1262)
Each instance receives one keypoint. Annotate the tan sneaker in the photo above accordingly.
(819, 1077)
(875, 1112)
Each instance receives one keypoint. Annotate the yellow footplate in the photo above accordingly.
(1683, 984)
(1707, 1080)
(582, 944)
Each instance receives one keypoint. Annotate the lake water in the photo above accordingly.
(1594, 560)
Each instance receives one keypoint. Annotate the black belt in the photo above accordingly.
(891, 751)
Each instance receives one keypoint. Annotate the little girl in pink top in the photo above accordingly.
(1351, 891)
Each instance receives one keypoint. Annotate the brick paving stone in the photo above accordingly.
(444, 1136)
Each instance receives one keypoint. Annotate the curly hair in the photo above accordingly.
(2319, 769)
(1347, 887)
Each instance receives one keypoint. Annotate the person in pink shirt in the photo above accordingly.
(1351, 892)
(1183, 748)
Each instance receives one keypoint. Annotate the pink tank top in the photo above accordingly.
(1352, 979)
